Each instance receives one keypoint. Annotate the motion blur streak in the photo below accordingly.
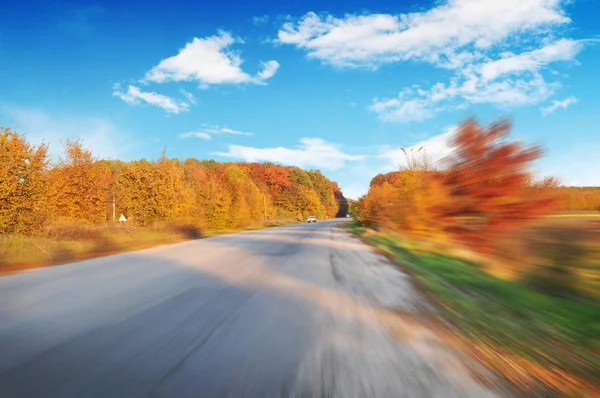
(302, 310)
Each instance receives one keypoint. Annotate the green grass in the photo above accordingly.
(549, 331)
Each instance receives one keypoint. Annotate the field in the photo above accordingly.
(566, 243)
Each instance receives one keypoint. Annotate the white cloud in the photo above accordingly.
(404, 108)
(416, 104)
(434, 35)
(472, 38)
(269, 69)
(209, 61)
(225, 130)
(101, 135)
(312, 152)
(207, 131)
(134, 96)
(561, 50)
(558, 104)
(196, 134)
(261, 20)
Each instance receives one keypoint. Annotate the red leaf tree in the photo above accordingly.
(489, 182)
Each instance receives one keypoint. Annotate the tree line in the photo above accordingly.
(79, 187)
(579, 198)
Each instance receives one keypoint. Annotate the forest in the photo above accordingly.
(36, 193)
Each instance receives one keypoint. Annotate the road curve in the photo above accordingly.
(295, 311)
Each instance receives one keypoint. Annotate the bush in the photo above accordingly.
(71, 230)
(186, 230)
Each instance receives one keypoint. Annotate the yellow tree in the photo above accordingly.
(216, 199)
(79, 185)
(150, 192)
(22, 182)
(246, 199)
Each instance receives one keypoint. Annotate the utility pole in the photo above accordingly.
(114, 207)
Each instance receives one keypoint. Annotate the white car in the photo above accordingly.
(312, 219)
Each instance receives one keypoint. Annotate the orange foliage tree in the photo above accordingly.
(484, 188)
(78, 186)
(22, 183)
(489, 183)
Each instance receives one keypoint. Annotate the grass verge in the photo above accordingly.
(70, 242)
(541, 344)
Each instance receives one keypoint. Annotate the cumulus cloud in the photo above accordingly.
(207, 131)
(561, 50)
(135, 96)
(558, 105)
(434, 35)
(209, 61)
(312, 152)
(472, 38)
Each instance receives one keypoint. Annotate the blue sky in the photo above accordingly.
(339, 86)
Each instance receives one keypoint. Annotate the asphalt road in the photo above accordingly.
(302, 310)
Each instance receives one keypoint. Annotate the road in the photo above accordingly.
(297, 311)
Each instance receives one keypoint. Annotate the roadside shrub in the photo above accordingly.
(70, 230)
(186, 230)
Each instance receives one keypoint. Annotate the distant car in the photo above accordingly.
(347, 215)
(312, 219)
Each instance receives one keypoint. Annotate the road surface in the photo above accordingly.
(296, 311)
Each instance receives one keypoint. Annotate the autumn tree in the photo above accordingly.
(22, 183)
(298, 176)
(324, 189)
(484, 188)
(376, 205)
(78, 185)
(114, 168)
(488, 180)
(273, 177)
(151, 192)
(246, 199)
